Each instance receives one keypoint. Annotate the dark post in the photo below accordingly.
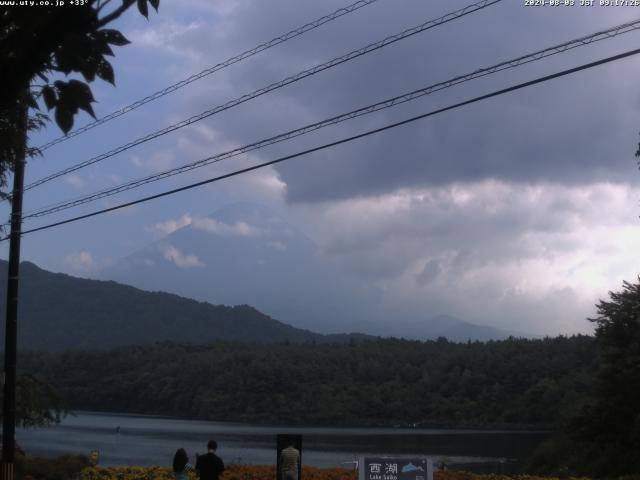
(282, 442)
(11, 326)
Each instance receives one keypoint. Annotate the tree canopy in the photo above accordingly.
(509, 383)
(610, 428)
(41, 47)
(603, 437)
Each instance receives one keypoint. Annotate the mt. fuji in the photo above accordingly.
(246, 254)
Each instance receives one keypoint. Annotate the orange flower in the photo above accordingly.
(268, 472)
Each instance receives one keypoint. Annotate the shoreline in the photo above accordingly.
(524, 429)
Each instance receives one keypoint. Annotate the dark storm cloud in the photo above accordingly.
(505, 212)
(578, 129)
(428, 273)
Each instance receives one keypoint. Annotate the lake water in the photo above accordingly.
(143, 440)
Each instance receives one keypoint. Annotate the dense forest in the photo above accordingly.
(511, 383)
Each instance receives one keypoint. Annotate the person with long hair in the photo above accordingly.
(181, 465)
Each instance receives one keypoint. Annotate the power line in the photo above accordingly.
(208, 71)
(388, 103)
(341, 141)
(274, 86)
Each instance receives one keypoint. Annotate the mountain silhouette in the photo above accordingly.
(246, 253)
(58, 312)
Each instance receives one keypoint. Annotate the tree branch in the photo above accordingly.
(116, 13)
(102, 4)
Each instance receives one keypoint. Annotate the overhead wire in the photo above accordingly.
(341, 141)
(210, 70)
(474, 7)
(388, 103)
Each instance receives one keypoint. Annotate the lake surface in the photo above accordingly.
(139, 440)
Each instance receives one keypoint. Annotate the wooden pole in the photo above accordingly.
(11, 325)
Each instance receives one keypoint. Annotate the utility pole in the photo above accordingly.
(11, 325)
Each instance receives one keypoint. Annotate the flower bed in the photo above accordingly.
(233, 472)
(268, 472)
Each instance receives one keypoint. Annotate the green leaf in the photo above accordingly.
(32, 102)
(142, 6)
(63, 63)
(105, 72)
(89, 109)
(37, 121)
(70, 54)
(155, 4)
(72, 96)
(114, 37)
(49, 96)
(81, 91)
(81, 96)
(88, 67)
(64, 119)
(101, 47)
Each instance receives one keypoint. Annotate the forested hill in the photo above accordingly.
(59, 311)
(509, 383)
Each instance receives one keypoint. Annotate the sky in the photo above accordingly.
(518, 212)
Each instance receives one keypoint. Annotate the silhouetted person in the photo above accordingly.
(181, 465)
(289, 461)
(210, 466)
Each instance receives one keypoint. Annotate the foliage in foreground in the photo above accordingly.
(76, 467)
(66, 467)
(39, 50)
(603, 438)
(37, 402)
(268, 472)
(233, 472)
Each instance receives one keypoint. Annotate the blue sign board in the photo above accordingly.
(395, 468)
